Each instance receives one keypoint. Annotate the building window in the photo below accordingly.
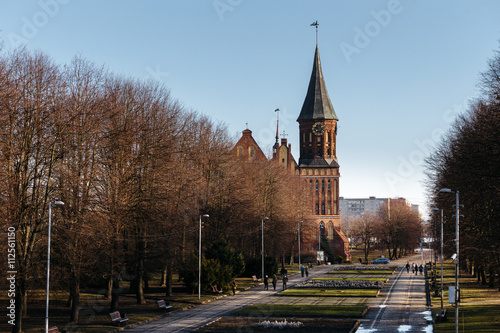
(251, 151)
(329, 186)
(322, 208)
(322, 186)
(317, 186)
(321, 229)
(330, 230)
(317, 208)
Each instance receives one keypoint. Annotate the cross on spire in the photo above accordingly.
(316, 24)
(284, 134)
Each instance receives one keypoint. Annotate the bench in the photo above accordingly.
(163, 305)
(254, 278)
(116, 318)
(440, 317)
(215, 290)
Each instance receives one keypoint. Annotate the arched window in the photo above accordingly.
(322, 186)
(323, 208)
(330, 230)
(321, 229)
(329, 186)
(310, 184)
(317, 186)
(317, 208)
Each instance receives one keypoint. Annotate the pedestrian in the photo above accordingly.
(275, 281)
(285, 280)
(302, 270)
(266, 283)
(307, 272)
(416, 269)
(412, 267)
(408, 267)
(233, 286)
(421, 269)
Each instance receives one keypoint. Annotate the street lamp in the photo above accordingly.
(456, 256)
(262, 227)
(437, 209)
(57, 203)
(199, 258)
(298, 236)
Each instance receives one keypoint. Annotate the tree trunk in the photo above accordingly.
(75, 299)
(140, 273)
(115, 294)
(20, 306)
(168, 278)
(163, 281)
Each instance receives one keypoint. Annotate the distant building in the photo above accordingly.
(358, 206)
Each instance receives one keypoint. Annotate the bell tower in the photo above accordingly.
(318, 164)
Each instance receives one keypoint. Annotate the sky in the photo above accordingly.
(398, 72)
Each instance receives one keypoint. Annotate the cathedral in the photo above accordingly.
(318, 165)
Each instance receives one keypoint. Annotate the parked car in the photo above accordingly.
(380, 261)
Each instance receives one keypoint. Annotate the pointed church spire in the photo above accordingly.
(317, 104)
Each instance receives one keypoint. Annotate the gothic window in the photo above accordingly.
(251, 151)
(322, 208)
(321, 229)
(330, 230)
(329, 186)
(310, 184)
(317, 186)
(322, 186)
(317, 208)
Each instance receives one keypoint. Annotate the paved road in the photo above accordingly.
(185, 321)
(401, 306)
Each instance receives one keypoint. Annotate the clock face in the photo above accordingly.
(319, 129)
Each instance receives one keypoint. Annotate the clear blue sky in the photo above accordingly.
(396, 71)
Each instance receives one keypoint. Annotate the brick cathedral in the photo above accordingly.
(318, 164)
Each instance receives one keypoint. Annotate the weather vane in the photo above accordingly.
(316, 24)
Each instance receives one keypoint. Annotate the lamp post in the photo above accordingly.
(57, 203)
(437, 209)
(199, 258)
(457, 234)
(298, 236)
(262, 227)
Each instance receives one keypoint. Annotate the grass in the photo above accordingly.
(322, 292)
(479, 308)
(303, 311)
(362, 272)
(351, 279)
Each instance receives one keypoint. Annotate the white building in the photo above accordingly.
(358, 207)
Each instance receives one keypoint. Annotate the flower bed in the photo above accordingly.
(344, 284)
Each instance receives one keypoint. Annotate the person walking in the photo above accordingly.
(421, 269)
(233, 286)
(275, 281)
(285, 280)
(408, 267)
(307, 272)
(266, 283)
(302, 270)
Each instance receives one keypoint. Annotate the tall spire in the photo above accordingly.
(317, 104)
(316, 24)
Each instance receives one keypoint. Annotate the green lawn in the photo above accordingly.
(362, 272)
(350, 279)
(318, 292)
(306, 311)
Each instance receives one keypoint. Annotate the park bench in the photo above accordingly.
(441, 316)
(163, 305)
(215, 290)
(254, 278)
(116, 318)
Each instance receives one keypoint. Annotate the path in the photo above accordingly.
(401, 307)
(185, 321)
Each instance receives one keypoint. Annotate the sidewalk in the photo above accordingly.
(185, 321)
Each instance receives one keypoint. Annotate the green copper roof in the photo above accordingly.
(317, 104)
